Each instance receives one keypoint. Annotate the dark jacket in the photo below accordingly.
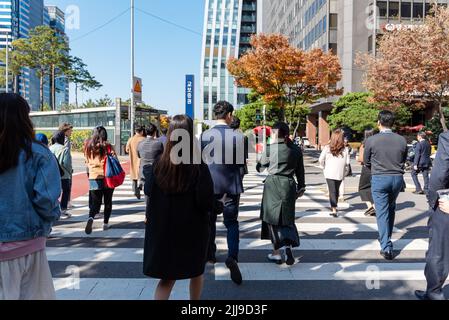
(284, 162)
(225, 168)
(149, 150)
(439, 179)
(423, 151)
(177, 232)
(386, 154)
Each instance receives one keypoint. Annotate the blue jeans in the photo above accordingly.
(230, 216)
(385, 190)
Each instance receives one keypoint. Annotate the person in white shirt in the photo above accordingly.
(334, 160)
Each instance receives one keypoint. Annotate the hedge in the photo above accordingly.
(78, 138)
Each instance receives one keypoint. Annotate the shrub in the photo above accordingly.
(78, 138)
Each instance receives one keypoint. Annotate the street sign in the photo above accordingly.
(190, 95)
(137, 90)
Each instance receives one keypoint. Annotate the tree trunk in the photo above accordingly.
(442, 117)
(297, 126)
(282, 116)
(76, 95)
(53, 89)
(15, 83)
(41, 89)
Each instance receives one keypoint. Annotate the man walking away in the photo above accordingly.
(437, 267)
(385, 155)
(225, 169)
(422, 163)
(131, 149)
(67, 129)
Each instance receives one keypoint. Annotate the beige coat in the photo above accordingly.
(131, 149)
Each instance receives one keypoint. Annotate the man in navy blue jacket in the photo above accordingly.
(224, 153)
(437, 267)
(422, 163)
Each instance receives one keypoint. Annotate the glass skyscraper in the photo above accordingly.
(228, 27)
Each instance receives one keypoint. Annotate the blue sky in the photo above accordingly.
(164, 53)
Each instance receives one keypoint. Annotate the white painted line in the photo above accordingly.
(63, 232)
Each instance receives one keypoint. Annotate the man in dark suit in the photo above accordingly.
(224, 153)
(437, 267)
(422, 163)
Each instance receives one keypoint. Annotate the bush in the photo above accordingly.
(78, 138)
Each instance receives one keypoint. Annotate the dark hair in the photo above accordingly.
(177, 178)
(422, 135)
(96, 146)
(42, 139)
(164, 131)
(151, 130)
(337, 145)
(235, 123)
(283, 130)
(222, 109)
(368, 134)
(140, 129)
(65, 127)
(58, 138)
(16, 130)
(387, 119)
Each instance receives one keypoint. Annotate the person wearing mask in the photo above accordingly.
(386, 154)
(284, 161)
(148, 151)
(437, 259)
(30, 186)
(177, 228)
(365, 179)
(224, 150)
(422, 163)
(132, 150)
(334, 160)
(62, 154)
(67, 129)
(95, 152)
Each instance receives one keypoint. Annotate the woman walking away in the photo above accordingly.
(62, 155)
(132, 149)
(334, 160)
(177, 231)
(365, 179)
(95, 152)
(29, 191)
(284, 160)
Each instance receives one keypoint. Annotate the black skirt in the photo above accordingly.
(365, 185)
(281, 236)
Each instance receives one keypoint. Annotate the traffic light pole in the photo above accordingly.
(132, 111)
(264, 128)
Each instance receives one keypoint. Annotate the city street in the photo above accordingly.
(338, 258)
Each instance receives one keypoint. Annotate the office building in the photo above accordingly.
(228, 27)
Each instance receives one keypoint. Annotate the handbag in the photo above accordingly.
(114, 175)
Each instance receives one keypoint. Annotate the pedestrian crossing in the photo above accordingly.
(338, 252)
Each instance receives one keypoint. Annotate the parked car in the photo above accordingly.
(306, 142)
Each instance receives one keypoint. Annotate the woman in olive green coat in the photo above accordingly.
(284, 161)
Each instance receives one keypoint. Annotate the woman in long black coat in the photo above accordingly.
(177, 230)
(365, 179)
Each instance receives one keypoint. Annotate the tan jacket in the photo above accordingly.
(132, 150)
(95, 166)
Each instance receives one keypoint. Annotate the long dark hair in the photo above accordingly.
(368, 134)
(283, 132)
(97, 145)
(177, 178)
(337, 145)
(16, 130)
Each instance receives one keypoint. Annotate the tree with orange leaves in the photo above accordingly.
(283, 74)
(412, 65)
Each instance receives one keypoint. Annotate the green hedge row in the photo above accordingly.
(78, 138)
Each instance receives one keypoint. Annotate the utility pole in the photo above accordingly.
(7, 64)
(264, 128)
(132, 115)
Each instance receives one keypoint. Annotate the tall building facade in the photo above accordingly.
(347, 27)
(228, 27)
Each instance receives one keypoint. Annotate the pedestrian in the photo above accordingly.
(148, 151)
(163, 137)
(422, 163)
(437, 259)
(67, 129)
(95, 152)
(386, 154)
(228, 184)
(235, 125)
(365, 178)
(29, 191)
(177, 229)
(334, 160)
(42, 138)
(131, 149)
(348, 171)
(62, 155)
(284, 161)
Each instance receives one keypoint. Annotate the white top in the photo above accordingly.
(334, 167)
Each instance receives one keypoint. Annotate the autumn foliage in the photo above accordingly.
(283, 74)
(412, 65)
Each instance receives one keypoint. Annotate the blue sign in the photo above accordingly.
(190, 95)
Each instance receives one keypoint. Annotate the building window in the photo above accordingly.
(406, 10)
(334, 48)
(382, 8)
(418, 10)
(393, 11)
(333, 21)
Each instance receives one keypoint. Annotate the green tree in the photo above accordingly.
(89, 104)
(80, 77)
(295, 115)
(104, 102)
(14, 68)
(248, 113)
(435, 126)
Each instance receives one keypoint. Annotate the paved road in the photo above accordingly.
(338, 258)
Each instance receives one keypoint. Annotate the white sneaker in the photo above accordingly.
(275, 258)
(106, 227)
(65, 214)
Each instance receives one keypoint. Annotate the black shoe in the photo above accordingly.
(212, 260)
(387, 255)
(370, 212)
(419, 193)
(138, 196)
(290, 258)
(236, 276)
(421, 295)
(89, 225)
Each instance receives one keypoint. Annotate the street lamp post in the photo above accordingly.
(132, 108)
(7, 64)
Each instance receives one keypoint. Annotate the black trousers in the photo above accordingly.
(136, 188)
(96, 198)
(334, 191)
(437, 260)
